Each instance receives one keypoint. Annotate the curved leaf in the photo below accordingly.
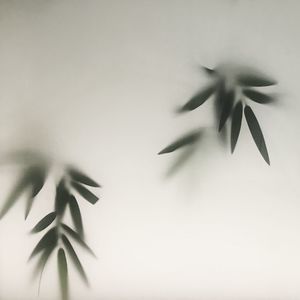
(258, 96)
(186, 140)
(74, 258)
(43, 259)
(76, 215)
(227, 107)
(255, 80)
(198, 99)
(256, 133)
(44, 223)
(49, 240)
(63, 273)
(85, 193)
(80, 177)
(18, 189)
(236, 124)
(77, 238)
(38, 177)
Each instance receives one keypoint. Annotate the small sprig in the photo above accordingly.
(232, 88)
(72, 184)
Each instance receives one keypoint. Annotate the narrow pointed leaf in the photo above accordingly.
(49, 240)
(63, 274)
(256, 133)
(255, 80)
(236, 124)
(227, 108)
(76, 215)
(18, 189)
(80, 177)
(74, 258)
(198, 99)
(258, 96)
(61, 198)
(85, 193)
(42, 261)
(29, 204)
(44, 223)
(188, 139)
(77, 238)
(37, 179)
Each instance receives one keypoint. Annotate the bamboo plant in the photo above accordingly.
(232, 88)
(59, 236)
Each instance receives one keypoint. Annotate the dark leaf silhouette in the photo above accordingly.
(227, 107)
(31, 178)
(198, 99)
(44, 223)
(38, 177)
(77, 238)
(85, 193)
(62, 197)
(29, 204)
(42, 261)
(256, 133)
(188, 139)
(74, 258)
(63, 273)
(18, 189)
(76, 215)
(236, 124)
(49, 240)
(258, 96)
(80, 177)
(255, 80)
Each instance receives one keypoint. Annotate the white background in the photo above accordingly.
(96, 83)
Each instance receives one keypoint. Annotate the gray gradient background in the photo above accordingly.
(96, 83)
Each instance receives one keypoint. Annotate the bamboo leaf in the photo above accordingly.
(84, 192)
(251, 79)
(61, 198)
(258, 96)
(42, 261)
(256, 133)
(226, 109)
(80, 177)
(37, 179)
(76, 215)
(236, 124)
(74, 258)
(188, 139)
(44, 223)
(18, 189)
(49, 240)
(63, 274)
(29, 204)
(77, 238)
(198, 99)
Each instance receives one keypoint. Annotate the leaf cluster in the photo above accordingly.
(231, 104)
(58, 236)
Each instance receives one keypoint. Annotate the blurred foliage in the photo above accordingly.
(72, 184)
(232, 88)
